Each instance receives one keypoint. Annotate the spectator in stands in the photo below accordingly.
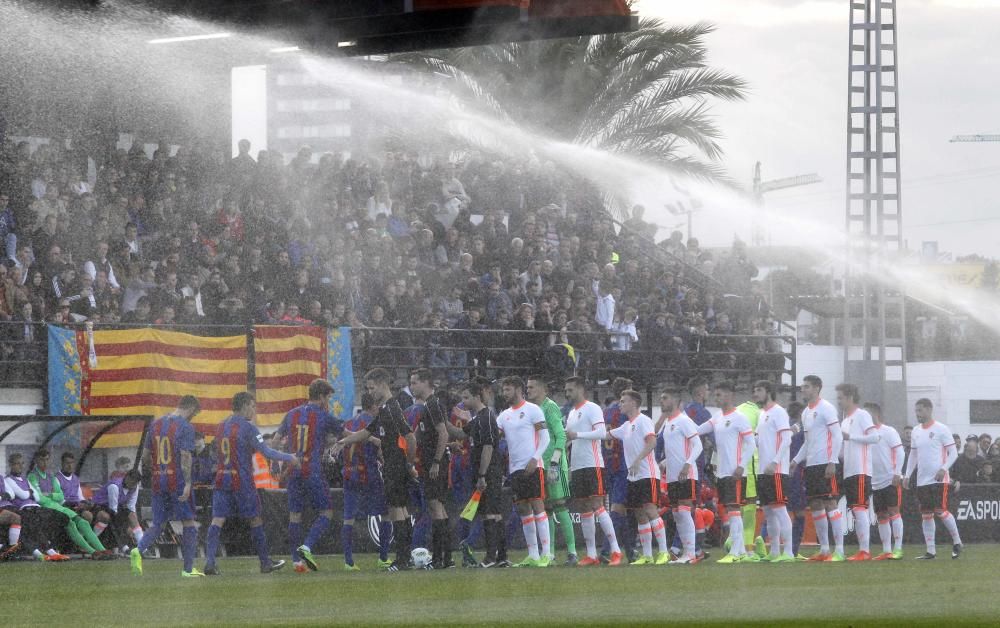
(966, 468)
(985, 442)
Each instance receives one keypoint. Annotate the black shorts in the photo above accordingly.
(857, 489)
(490, 502)
(588, 482)
(396, 482)
(528, 485)
(933, 497)
(435, 489)
(886, 498)
(682, 490)
(818, 486)
(732, 492)
(772, 490)
(641, 492)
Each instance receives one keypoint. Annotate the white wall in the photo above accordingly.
(950, 386)
(823, 360)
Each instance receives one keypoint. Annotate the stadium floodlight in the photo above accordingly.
(285, 49)
(177, 40)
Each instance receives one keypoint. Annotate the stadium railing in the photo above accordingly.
(457, 354)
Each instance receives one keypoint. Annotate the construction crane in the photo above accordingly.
(975, 138)
(760, 188)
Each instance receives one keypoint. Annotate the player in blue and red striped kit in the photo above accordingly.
(364, 494)
(166, 452)
(235, 493)
(306, 429)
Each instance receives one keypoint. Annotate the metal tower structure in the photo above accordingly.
(874, 313)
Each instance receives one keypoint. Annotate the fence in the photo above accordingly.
(458, 354)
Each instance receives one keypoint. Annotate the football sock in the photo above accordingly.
(13, 534)
(464, 527)
(260, 543)
(736, 534)
(92, 540)
(316, 531)
(403, 539)
(896, 521)
(501, 539)
(929, 531)
(100, 527)
(294, 538)
(685, 529)
(544, 534)
(630, 528)
(384, 533)
(530, 535)
(551, 516)
(212, 544)
(660, 532)
(949, 524)
(136, 534)
(589, 533)
(646, 538)
(749, 523)
(490, 532)
(773, 530)
(618, 521)
(419, 530)
(885, 533)
(836, 519)
(608, 527)
(189, 546)
(347, 542)
(73, 530)
(569, 534)
(862, 529)
(798, 529)
(822, 524)
(149, 538)
(785, 525)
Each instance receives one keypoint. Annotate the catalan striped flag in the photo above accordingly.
(147, 371)
(287, 360)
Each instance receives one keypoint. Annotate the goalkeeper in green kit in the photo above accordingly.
(556, 471)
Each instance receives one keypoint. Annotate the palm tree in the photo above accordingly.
(644, 93)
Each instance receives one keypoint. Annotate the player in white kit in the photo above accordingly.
(735, 445)
(638, 441)
(932, 452)
(681, 448)
(774, 441)
(887, 485)
(585, 430)
(860, 434)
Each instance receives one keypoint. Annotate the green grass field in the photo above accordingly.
(939, 593)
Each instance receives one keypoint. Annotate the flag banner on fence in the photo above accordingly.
(286, 360)
(340, 371)
(144, 372)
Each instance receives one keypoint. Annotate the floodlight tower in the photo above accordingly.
(874, 311)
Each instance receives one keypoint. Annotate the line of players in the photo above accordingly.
(541, 478)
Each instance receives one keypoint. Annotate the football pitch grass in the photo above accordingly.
(942, 592)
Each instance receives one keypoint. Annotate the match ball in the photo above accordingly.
(420, 557)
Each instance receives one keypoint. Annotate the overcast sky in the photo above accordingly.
(794, 55)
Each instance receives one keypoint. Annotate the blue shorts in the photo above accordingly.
(365, 500)
(417, 497)
(462, 486)
(243, 503)
(313, 489)
(167, 507)
(618, 487)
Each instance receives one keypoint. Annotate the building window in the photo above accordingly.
(984, 411)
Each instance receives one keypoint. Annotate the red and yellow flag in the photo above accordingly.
(287, 360)
(146, 371)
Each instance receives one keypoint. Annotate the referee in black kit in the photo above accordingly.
(484, 437)
(398, 450)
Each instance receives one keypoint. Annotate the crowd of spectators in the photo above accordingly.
(397, 240)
